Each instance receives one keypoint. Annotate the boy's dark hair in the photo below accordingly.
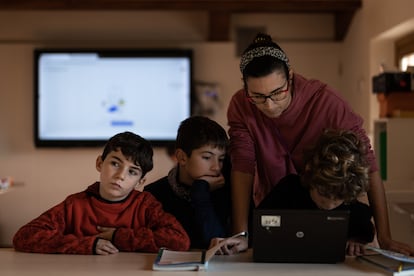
(337, 167)
(133, 147)
(198, 131)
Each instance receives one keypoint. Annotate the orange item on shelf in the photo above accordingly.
(391, 104)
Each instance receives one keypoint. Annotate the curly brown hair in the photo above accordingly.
(336, 166)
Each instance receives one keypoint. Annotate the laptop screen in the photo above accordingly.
(299, 236)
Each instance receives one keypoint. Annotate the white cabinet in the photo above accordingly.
(401, 215)
(394, 148)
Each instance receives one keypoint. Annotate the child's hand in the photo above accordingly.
(355, 248)
(214, 182)
(107, 233)
(105, 247)
(230, 246)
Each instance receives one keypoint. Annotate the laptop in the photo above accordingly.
(299, 236)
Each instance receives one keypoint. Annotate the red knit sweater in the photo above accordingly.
(71, 226)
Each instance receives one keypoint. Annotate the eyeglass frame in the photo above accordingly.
(274, 93)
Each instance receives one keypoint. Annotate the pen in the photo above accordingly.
(400, 267)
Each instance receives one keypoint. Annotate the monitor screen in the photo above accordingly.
(83, 97)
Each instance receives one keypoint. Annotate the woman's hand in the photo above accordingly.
(390, 244)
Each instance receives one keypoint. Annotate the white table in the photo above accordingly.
(140, 264)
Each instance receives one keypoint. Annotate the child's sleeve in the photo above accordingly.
(361, 227)
(46, 234)
(206, 219)
(154, 228)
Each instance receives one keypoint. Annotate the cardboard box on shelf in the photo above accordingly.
(396, 104)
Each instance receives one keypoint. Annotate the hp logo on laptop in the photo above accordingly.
(300, 234)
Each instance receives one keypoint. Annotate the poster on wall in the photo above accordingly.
(206, 99)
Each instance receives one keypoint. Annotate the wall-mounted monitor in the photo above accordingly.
(83, 97)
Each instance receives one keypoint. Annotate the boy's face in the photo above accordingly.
(324, 203)
(118, 176)
(204, 161)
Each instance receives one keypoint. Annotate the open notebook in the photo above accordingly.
(393, 262)
(187, 260)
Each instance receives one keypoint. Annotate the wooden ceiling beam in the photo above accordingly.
(342, 22)
(220, 11)
(219, 26)
(217, 5)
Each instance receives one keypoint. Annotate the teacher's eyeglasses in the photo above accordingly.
(275, 96)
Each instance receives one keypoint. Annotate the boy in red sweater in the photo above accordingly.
(110, 215)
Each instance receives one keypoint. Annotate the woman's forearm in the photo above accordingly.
(242, 184)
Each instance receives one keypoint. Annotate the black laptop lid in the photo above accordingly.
(299, 236)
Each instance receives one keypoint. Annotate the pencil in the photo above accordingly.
(400, 267)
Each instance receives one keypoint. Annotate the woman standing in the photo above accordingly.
(273, 119)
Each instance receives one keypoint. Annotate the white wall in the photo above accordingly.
(49, 175)
(370, 42)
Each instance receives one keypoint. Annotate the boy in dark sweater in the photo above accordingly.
(110, 215)
(196, 190)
